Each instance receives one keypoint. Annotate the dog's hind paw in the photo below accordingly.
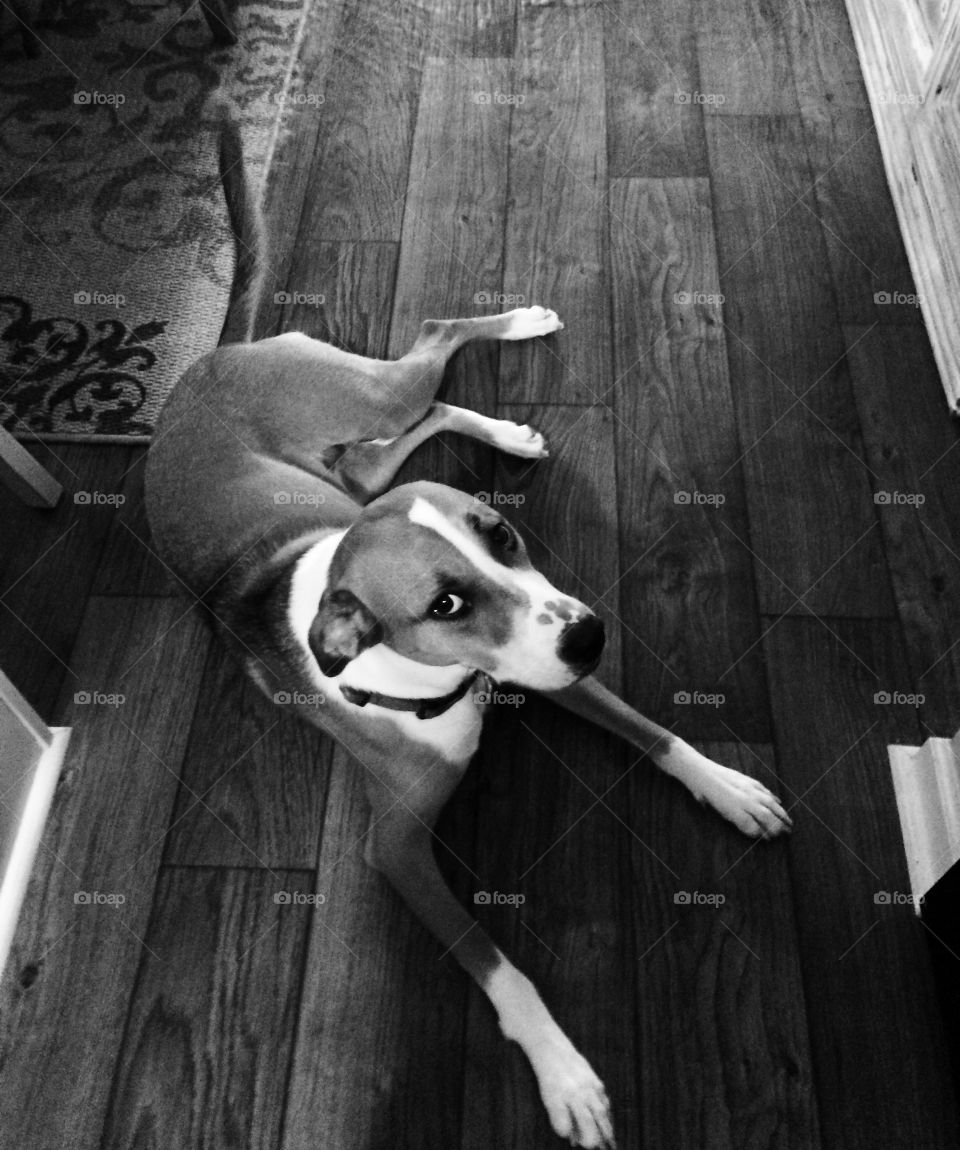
(528, 322)
(524, 440)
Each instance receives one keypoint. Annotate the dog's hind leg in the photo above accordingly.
(415, 378)
(440, 338)
(368, 468)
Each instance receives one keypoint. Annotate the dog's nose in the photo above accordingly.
(582, 642)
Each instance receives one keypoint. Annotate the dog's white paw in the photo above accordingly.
(745, 802)
(524, 441)
(527, 322)
(576, 1101)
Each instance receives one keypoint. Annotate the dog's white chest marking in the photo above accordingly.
(454, 734)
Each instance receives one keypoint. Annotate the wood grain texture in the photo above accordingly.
(717, 973)
(549, 831)
(846, 849)
(451, 262)
(871, 275)
(915, 455)
(654, 123)
(449, 259)
(362, 151)
(745, 67)
(342, 293)
(253, 779)
(544, 819)
(129, 564)
(289, 182)
(459, 29)
(210, 1032)
(823, 57)
(555, 222)
(73, 963)
(813, 532)
(379, 1045)
(46, 549)
(686, 587)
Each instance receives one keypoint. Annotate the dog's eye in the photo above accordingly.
(448, 606)
(501, 536)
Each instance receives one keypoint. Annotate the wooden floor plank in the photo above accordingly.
(379, 1043)
(380, 1011)
(362, 151)
(460, 29)
(342, 293)
(812, 527)
(718, 973)
(451, 263)
(654, 121)
(210, 1033)
(689, 602)
(871, 275)
(540, 833)
(253, 779)
(47, 551)
(129, 564)
(823, 57)
(914, 451)
(555, 222)
(869, 987)
(745, 66)
(75, 956)
(287, 184)
(540, 830)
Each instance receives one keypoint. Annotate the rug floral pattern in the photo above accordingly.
(117, 252)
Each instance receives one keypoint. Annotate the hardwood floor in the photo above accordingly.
(753, 477)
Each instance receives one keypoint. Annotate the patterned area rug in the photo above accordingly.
(117, 255)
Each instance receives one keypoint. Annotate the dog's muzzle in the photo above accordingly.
(581, 644)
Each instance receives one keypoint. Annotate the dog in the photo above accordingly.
(385, 614)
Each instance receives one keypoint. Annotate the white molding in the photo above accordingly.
(17, 874)
(23, 713)
(927, 784)
(914, 85)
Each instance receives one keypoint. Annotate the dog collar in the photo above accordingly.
(423, 708)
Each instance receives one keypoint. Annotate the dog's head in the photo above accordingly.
(442, 579)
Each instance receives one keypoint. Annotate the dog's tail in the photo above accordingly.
(246, 222)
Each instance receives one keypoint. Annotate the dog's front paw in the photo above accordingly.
(528, 322)
(748, 804)
(524, 441)
(575, 1099)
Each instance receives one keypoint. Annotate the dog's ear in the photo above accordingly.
(341, 629)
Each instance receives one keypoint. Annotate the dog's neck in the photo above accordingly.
(380, 668)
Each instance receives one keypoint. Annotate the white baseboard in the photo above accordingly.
(927, 784)
(14, 882)
(913, 81)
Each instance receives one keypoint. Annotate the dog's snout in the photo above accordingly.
(581, 643)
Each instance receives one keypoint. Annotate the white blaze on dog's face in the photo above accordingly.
(443, 579)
